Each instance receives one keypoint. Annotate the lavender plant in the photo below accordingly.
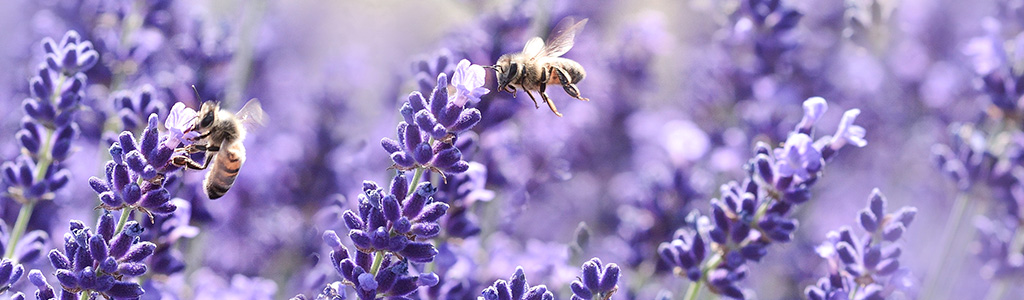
(866, 266)
(390, 227)
(751, 216)
(45, 137)
(480, 187)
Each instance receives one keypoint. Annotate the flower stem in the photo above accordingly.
(43, 162)
(377, 260)
(124, 219)
(19, 228)
(693, 291)
(415, 181)
(942, 261)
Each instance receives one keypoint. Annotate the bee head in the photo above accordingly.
(207, 115)
(506, 71)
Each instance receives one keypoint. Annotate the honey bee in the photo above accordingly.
(220, 135)
(539, 65)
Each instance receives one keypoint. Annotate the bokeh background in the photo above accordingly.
(680, 92)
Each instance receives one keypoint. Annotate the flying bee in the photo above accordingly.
(220, 135)
(540, 65)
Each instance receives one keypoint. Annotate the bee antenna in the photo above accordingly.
(494, 67)
(198, 97)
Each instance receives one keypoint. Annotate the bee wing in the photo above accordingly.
(563, 36)
(533, 47)
(252, 115)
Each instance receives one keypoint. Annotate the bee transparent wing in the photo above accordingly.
(252, 115)
(563, 37)
(533, 47)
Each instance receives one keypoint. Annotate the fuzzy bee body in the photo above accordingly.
(220, 135)
(222, 175)
(539, 65)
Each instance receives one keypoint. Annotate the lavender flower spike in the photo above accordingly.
(595, 283)
(865, 266)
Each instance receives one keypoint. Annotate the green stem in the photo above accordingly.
(693, 291)
(124, 219)
(19, 227)
(941, 263)
(377, 260)
(42, 163)
(415, 181)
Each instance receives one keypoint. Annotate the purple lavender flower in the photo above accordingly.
(461, 192)
(46, 134)
(388, 232)
(995, 247)
(179, 124)
(595, 282)
(865, 267)
(135, 175)
(394, 222)
(10, 273)
(425, 137)
(753, 214)
(102, 261)
(165, 231)
(134, 108)
(516, 288)
(468, 81)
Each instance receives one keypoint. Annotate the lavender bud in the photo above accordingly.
(139, 252)
(426, 230)
(360, 238)
(432, 212)
(123, 289)
(98, 248)
(132, 269)
(419, 252)
(893, 231)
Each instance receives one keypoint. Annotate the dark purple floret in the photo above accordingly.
(595, 282)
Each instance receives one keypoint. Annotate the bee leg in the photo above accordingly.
(567, 85)
(511, 90)
(185, 161)
(551, 104)
(535, 105)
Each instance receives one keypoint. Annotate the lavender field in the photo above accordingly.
(738, 149)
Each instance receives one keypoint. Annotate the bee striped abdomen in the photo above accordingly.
(224, 170)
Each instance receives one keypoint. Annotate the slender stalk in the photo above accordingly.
(415, 181)
(124, 219)
(693, 291)
(19, 228)
(377, 260)
(42, 163)
(942, 261)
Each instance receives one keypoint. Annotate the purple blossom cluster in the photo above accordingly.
(99, 263)
(620, 199)
(751, 216)
(866, 266)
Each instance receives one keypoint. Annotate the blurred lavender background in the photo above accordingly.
(681, 92)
